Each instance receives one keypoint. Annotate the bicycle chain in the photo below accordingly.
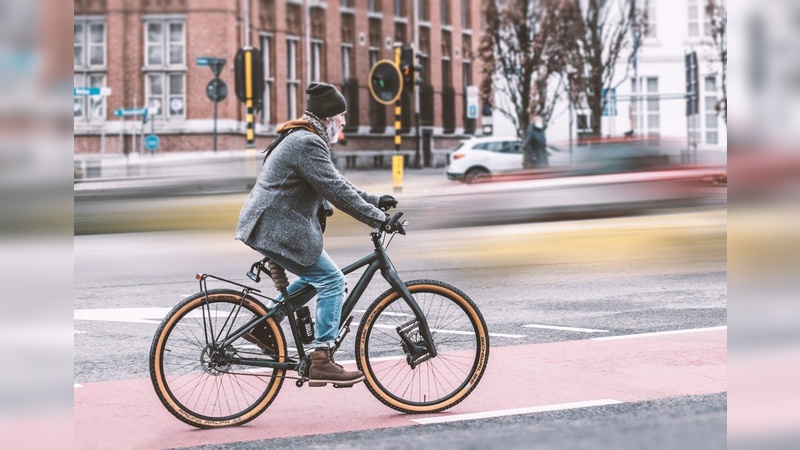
(288, 377)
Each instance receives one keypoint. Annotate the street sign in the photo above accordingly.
(215, 64)
(130, 112)
(91, 91)
(472, 102)
(610, 97)
(216, 90)
(151, 142)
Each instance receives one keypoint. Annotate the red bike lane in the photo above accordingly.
(127, 414)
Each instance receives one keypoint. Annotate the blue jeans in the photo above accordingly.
(329, 282)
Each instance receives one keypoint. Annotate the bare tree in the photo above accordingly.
(522, 59)
(598, 32)
(718, 15)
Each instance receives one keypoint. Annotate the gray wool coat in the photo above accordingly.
(280, 214)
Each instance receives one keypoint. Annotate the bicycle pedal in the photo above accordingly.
(317, 384)
(341, 386)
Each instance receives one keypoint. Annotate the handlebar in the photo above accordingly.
(394, 224)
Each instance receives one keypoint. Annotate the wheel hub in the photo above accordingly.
(215, 360)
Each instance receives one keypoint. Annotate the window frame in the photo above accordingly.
(267, 41)
(292, 80)
(85, 70)
(166, 70)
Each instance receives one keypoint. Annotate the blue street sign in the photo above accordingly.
(85, 91)
(202, 61)
(472, 112)
(610, 108)
(151, 142)
(130, 112)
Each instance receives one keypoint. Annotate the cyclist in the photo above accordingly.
(282, 217)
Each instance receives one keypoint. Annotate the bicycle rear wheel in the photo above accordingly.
(459, 333)
(194, 377)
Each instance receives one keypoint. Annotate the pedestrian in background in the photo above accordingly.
(534, 148)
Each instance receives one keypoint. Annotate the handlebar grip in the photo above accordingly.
(391, 223)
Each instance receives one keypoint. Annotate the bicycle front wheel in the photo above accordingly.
(459, 334)
(196, 378)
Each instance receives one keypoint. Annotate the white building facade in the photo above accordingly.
(676, 27)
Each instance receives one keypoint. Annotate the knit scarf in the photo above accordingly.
(309, 122)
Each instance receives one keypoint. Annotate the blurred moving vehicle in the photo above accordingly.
(485, 159)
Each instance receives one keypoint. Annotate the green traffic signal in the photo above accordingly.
(386, 82)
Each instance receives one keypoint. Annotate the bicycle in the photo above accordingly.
(422, 345)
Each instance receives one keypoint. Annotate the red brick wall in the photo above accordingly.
(212, 29)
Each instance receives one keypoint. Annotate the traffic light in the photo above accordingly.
(385, 82)
(252, 78)
(411, 70)
(692, 91)
(407, 68)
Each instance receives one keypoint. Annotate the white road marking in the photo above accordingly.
(129, 315)
(511, 412)
(134, 315)
(79, 332)
(362, 311)
(659, 333)
(77, 385)
(467, 333)
(554, 327)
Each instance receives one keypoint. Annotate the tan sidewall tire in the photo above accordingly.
(372, 314)
(158, 377)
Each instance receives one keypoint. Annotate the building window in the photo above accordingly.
(166, 94)
(374, 6)
(400, 8)
(165, 43)
(648, 121)
(292, 80)
(447, 51)
(422, 61)
(652, 20)
(710, 110)
(697, 12)
(89, 58)
(347, 4)
(466, 15)
(269, 79)
(694, 18)
(165, 68)
(347, 62)
(422, 11)
(316, 60)
(96, 104)
(445, 12)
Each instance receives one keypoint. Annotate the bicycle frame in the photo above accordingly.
(379, 260)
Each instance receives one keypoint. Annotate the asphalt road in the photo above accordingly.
(626, 276)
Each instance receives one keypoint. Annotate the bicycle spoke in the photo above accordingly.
(438, 378)
(203, 378)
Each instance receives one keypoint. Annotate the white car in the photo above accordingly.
(477, 158)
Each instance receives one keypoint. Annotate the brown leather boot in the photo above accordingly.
(324, 370)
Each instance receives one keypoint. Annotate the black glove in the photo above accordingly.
(386, 202)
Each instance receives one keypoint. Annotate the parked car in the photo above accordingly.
(479, 158)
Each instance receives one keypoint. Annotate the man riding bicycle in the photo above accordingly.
(281, 218)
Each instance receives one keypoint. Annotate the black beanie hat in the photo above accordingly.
(324, 100)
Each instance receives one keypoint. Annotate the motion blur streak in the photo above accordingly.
(35, 224)
(764, 246)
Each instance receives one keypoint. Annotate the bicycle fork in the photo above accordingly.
(415, 353)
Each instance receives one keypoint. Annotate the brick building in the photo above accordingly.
(145, 51)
